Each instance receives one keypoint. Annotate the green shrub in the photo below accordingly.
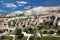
(58, 32)
(29, 30)
(18, 32)
(45, 32)
(51, 32)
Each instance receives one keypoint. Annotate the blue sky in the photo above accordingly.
(15, 5)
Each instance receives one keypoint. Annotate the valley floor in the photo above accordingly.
(31, 38)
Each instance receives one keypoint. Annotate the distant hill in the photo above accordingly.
(35, 11)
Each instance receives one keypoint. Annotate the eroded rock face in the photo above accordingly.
(23, 22)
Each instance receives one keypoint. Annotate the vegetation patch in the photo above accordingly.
(18, 38)
(44, 38)
(6, 38)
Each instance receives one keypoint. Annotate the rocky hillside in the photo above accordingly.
(36, 11)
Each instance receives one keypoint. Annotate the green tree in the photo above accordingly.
(20, 36)
(51, 32)
(58, 32)
(19, 33)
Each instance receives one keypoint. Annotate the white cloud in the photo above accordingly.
(21, 3)
(10, 5)
(28, 7)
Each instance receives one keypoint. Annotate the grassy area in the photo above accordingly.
(24, 38)
(44, 38)
(6, 38)
(31, 38)
(11, 38)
